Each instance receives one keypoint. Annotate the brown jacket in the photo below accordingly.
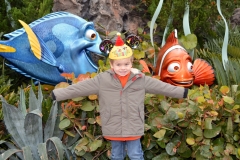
(121, 109)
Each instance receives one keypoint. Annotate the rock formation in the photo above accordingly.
(235, 18)
(107, 15)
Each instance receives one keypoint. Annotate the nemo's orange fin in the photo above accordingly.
(203, 72)
(172, 38)
(145, 66)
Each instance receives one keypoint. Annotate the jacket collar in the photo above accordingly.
(134, 72)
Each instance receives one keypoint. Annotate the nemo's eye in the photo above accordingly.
(173, 67)
(91, 34)
(190, 66)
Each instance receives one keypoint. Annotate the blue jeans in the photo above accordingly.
(131, 148)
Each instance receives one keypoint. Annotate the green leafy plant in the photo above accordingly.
(30, 140)
(203, 126)
(228, 77)
(81, 123)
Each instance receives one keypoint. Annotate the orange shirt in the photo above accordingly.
(123, 80)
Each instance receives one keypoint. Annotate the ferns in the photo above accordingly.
(215, 44)
(228, 77)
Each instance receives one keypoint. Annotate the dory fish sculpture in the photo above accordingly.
(59, 42)
(174, 65)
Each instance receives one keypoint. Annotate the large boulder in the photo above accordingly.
(107, 15)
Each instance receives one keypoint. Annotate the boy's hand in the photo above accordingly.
(52, 96)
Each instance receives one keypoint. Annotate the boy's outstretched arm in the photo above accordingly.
(80, 89)
(156, 86)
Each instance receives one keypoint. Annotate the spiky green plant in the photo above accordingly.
(228, 77)
(31, 141)
(215, 44)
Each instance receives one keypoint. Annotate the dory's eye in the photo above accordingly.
(91, 34)
(190, 66)
(173, 67)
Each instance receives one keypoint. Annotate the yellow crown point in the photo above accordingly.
(118, 34)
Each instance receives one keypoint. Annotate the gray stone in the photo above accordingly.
(107, 15)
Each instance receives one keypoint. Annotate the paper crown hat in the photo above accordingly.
(120, 50)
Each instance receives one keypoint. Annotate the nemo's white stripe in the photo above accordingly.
(165, 54)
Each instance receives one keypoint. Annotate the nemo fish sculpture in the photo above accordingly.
(174, 65)
(57, 43)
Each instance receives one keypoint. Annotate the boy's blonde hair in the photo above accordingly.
(112, 60)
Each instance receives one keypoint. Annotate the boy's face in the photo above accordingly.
(122, 66)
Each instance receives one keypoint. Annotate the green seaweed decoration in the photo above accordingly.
(225, 42)
(186, 27)
(31, 142)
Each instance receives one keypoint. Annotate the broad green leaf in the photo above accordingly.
(146, 127)
(190, 141)
(208, 123)
(236, 107)
(162, 156)
(184, 151)
(88, 156)
(140, 30)
(81, 152)
(144, 45)
(160, 134)
(89, 135)
(228, 100)
(69, 133)
(161, 144)
(180, 115)
(214, 113)
(236, 137)
(230, 148)
(201, 99)
(210, 133)
(78, 99)
(165, 105)
(230, 126)
(238, 151)
(198, 131)
(149, 23)
(205, 151)
(218, 146)
(171, 115)
(91, 121)
(236, 118)
(64, 124)
(138, 54)
(113, 33)
(183, 123)
(157, 121)
(199, 139)
(95, 145)
(82, 142)
(87, 106)
(170, 149)
(189, 41)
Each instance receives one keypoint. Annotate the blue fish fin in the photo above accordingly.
(21, 72)
(39, 48)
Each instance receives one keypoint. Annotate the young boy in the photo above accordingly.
(121, 92)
